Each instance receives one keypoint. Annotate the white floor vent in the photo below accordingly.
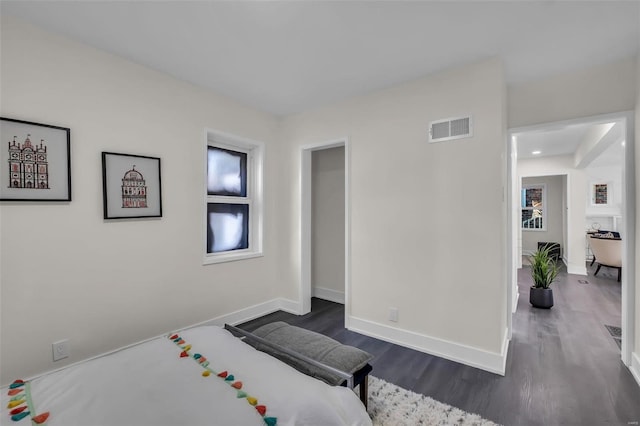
(449, 129)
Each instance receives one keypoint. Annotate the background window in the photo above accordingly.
(228, 227)
(233, 206)
(226, 172)
(533, 207)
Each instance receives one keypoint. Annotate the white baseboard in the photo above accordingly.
(290, 306)
(635, 366)
(253, 312)
(516, 296)
(474, 357)
(576, 269)
(504, 351)
(328, 294)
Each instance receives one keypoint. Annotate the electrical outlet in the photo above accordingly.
(60, 349)
(393, 314)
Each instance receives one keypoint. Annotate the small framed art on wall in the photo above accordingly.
(35, 163)
(131, 186)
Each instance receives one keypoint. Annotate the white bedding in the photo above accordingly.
(150, 384)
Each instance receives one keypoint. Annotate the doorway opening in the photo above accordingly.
(325, 223)
(543, 220)
(593, 154)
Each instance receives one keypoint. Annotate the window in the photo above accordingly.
(233, 198)
(533, 203)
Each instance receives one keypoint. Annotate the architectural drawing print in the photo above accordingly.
(134, 190)
(28, 166)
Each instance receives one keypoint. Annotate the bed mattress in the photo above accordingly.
(200, 376)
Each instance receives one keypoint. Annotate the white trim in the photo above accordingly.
(577, 269)
(290, 306)
(237, 317)
(512, 246)
(635, 367)
(629, 281)
(305, 230)
(255, 193)
(328, 294)
(516, 297)
(305, 223)
(251, 312)
(504, 351)
(474, 357)
(347, 232)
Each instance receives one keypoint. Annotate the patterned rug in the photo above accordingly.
(390, 405)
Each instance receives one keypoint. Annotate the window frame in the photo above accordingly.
(254, 199)
(543, 209)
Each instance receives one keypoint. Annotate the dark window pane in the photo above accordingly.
(532, 197)
(531, 219)
(227, 227)
(226, 172)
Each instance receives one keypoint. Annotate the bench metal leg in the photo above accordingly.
(364, 391)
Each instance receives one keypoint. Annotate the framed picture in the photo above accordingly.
(131, 186)
(600, 194)
(35, 161)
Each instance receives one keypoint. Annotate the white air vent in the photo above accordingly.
(451, 128)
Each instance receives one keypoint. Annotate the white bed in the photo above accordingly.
(151, 384)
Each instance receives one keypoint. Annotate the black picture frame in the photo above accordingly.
(131, 186)
(35, 165)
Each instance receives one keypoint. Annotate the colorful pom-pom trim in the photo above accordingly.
(21, 404)
(228, 378)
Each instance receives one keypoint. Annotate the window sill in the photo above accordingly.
(230, 257)
(534, 230)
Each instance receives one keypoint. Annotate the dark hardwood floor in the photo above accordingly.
(563, 366)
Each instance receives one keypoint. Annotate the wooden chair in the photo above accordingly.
(607, 252)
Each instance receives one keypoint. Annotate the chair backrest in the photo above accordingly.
(607, 251)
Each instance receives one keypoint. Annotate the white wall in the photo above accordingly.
(554, 229)
(67, 273)
(577, 182)
(327, 226)
(424, 238)
(587, 92)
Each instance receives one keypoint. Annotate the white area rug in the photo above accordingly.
(390, 405)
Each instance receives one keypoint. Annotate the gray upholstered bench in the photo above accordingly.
(314, 354)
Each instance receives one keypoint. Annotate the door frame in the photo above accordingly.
(628, 313)
(306, 221)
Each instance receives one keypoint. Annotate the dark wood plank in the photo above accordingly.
(563, 366)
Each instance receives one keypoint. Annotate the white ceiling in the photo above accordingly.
(565, 141)
(285, 57)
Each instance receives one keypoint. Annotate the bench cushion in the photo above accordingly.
(315, 346)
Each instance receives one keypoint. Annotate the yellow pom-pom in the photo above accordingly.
(187, 348)
(16, 403)
(206, 373)
(252, 400)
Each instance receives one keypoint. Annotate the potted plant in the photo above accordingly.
(543, 271)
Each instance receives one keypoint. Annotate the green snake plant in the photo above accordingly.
(543, 268)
